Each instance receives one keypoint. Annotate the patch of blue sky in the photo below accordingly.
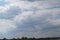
(3, 3)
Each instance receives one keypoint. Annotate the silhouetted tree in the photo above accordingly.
(24, 38)
(18, 39)
(4, 39)
(14, 39)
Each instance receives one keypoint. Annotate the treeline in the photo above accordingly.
(25, 38)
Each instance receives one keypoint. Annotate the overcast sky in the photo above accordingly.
(29, 18)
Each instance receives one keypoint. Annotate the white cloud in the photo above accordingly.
(23, 16)
(6, 25)
(55, 22)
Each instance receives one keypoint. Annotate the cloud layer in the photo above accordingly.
(30, 18)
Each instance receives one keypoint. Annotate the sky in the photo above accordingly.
(29, 18)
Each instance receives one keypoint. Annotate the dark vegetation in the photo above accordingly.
(25, 38)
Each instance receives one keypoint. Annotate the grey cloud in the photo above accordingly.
(42, 28)
(12, 12)
(36, 22)
(32, 0)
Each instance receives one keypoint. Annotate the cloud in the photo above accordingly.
(6, 25)
(31, 0)
(36, 23)
(10, 13)
(32, 18)
(55, 22)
